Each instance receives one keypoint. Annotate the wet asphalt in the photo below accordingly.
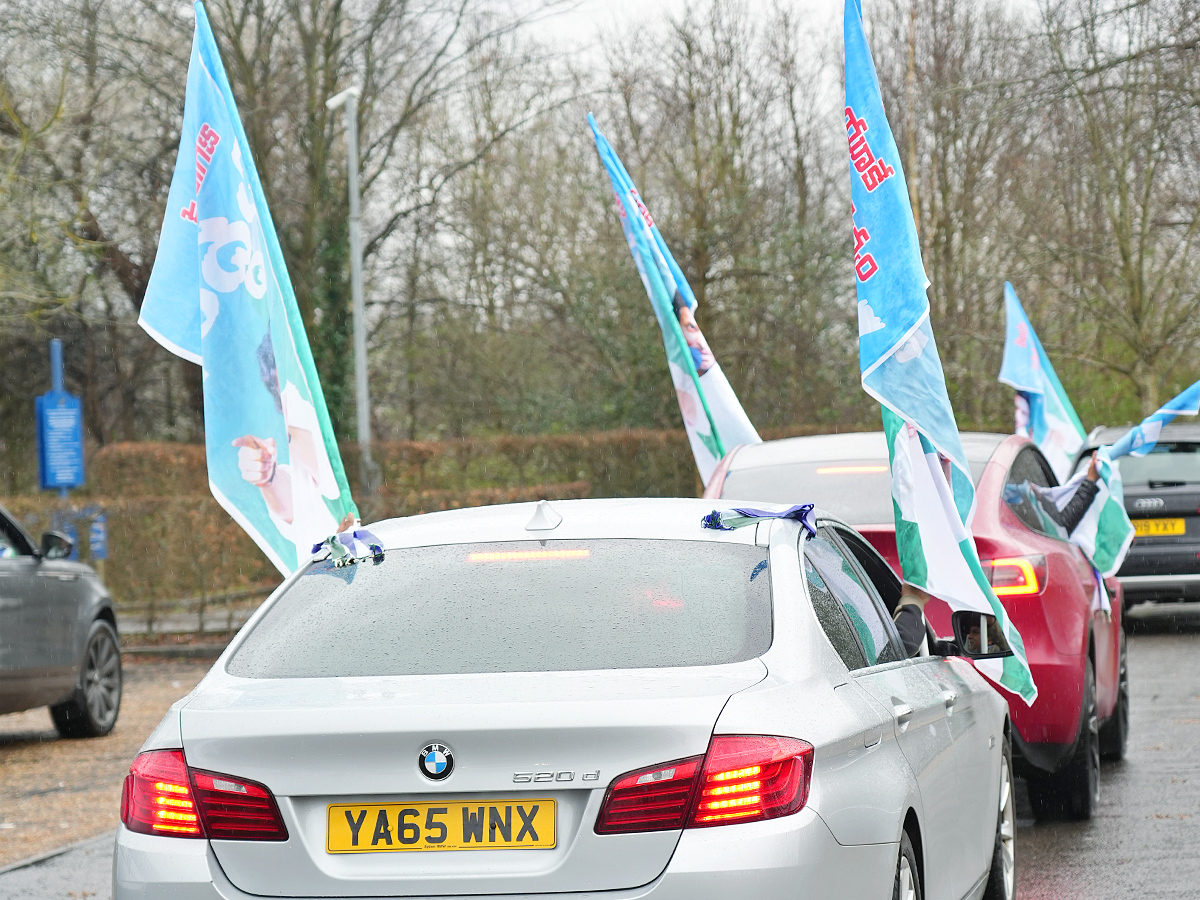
(1143, 842)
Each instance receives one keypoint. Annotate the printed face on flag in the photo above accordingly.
(219, 295)
(712, 416)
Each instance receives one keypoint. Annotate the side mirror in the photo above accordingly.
(56, 545)
(979, 636)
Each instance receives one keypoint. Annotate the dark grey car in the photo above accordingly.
(58, 634)
(1162, 498)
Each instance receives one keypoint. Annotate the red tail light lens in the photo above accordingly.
(163, 796)
(157, 798)
(742, 778)
(654, 799)
(1016, 575)
(237, 810)
(747, 778)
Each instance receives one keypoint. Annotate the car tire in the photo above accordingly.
(908, 875)
(1114, 733)
(92, 709)
(1073, 791)
(1002, 878)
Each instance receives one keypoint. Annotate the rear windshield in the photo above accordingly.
(1167, 464)
(529, 606)
(858, 490)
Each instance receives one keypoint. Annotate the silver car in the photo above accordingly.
(58, 634)
(582, 699)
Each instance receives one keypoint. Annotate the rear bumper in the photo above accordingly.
(1157, 588)
(761, 859)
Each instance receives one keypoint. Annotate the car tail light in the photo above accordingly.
(654, 799)
(233, 809)
(742, 778)
(1013, 576)
(157, 798)
(163, 796)
(750, 777)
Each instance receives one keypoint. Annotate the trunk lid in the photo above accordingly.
(318, 743)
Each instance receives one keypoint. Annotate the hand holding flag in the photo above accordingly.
(1105, 532)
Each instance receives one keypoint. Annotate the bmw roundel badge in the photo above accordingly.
(435, 761)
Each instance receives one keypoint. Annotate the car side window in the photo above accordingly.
(833, 618)
(1025, 476)
(882, 578)
(865, 613)
(12, 542)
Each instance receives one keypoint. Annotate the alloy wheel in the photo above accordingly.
(1008, 831)
(908, 882)
(102, 679)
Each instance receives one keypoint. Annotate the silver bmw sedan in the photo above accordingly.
(574, 698)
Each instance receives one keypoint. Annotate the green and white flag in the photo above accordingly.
(1045, 414)
(932, 490)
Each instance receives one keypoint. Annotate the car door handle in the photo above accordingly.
(61, 576)
(949, 698)
(903, 712)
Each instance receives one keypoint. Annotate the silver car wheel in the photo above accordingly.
(908, 883)
(1008, 831)
(102, 679)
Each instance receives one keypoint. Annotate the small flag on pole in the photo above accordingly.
(220, 297)
(932, 490)
(712, 415)
(1140, 439)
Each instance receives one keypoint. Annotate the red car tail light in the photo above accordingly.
(747, 778)
(742, 778)
(653, 799)
(234, 809)
(157, 798)
(163, 796)
(1016, 575)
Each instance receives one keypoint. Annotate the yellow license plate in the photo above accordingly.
(1157, 527)
(512, 824)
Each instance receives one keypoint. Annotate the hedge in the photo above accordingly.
(164, 549)
(627, 463)
(168, 539)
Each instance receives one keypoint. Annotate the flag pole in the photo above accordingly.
(349, 100)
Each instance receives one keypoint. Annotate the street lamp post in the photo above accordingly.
(349, 100)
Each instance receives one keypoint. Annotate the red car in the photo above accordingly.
(1077, 655)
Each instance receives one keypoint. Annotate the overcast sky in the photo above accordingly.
(585, 26)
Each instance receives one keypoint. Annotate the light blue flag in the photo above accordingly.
(713, 417)
(1047, 417)
(1045, 413)
(220, 296)
(1140, 439)
(900, 367)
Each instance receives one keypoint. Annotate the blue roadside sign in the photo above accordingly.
(98, 537)
(59, 440)
(59, 431)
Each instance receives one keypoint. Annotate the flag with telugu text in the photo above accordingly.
(932, 490)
